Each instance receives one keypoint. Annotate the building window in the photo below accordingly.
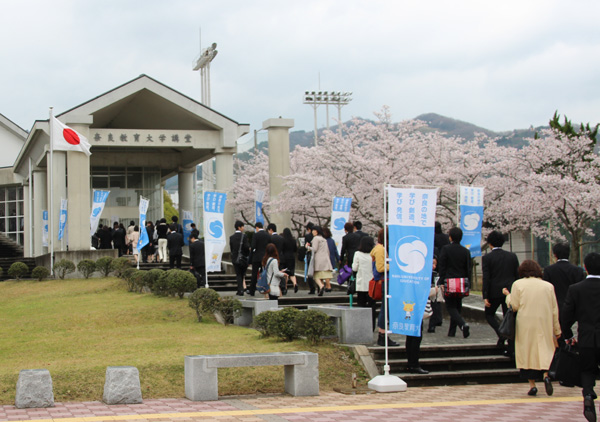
(11, 213)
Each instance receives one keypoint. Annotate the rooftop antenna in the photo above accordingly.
(202, 63)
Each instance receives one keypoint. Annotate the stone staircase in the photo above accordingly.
(11, 252)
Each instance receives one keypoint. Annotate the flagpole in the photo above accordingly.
(51, 207)
(30, 199)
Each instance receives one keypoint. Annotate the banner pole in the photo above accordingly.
(51, 207)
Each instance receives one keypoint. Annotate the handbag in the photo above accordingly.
(311, 266)
(375, 289)
(242, 260)
(344, 275)
(456, 287)
(351, 285)
(566, 366)
(263, 285)
(508, 324)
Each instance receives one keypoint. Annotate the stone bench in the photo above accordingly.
(253, 307)
(354, 325)
(301, 370)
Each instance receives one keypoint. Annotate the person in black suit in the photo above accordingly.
(197, 259)
(260, 240)
(581, 305)
(439, 239)
(500, 270)
(350, 244)
(562, 274)
(455, 262)
(276, 239)
(174, 245)
(308, 238)
(239, 244)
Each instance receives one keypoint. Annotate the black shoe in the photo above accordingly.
(239, 294)
(431, 330)
(439, 324)
(312, 292)
(500, 343)
(451, 334)
(321, 290)
(532, 392)
(381, 341)
(417, 370)
(296, 288)
(466, 331)
(548, 386)
(588, 409)
(328, 290)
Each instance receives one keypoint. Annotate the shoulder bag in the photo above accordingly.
(508, 324)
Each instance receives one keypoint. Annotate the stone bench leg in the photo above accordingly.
(34, 389)
(201, 382)
(303, 380)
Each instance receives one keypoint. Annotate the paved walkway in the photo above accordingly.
(467, 403)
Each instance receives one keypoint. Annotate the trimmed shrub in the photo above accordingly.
(161, 286)
(86, 267)
(138, 279)
(40, 273)
(128, 277)
(285, 324)
(181, 282)
(63, 267)
(265, 323)
(314, 325)
(150, 278)
(229, 308)
(1, 271)
(203, 301)
(120, 265)
(104, 265)
(18, 270)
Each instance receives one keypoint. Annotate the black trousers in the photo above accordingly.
(256, 266)
(590, 359)
(199, 276)
(174, 260)
(240, 272)
(490, 313)
(454, 307)
(413, 347)
(436, 318)
(363, 300)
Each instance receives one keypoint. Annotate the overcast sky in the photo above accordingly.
(499, 65)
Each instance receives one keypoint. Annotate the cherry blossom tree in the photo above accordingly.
(250, 175)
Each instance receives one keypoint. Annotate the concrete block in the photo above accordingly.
(354, 325)
(253, 307)
(303, 379)
(34, 389)
(122, 385)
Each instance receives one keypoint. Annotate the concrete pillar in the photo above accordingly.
(279, 164)
(186, 196)
(224, 173)
(57, 184)
(27, 249)
(79, 195)
(40, 204)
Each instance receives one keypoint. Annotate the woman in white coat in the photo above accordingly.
(362, 265)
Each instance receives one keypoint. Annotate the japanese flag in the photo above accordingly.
(66, 139)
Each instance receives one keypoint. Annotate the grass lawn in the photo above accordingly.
(76, 328)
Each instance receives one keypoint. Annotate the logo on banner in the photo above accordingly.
(215, 228)
(471, 221)
(96, 211)
(411, 253)
(338, 224)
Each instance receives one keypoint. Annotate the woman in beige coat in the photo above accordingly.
(537, 326)
(320, 252)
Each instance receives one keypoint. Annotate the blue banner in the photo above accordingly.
(143, 240)
(214, 229)
(62, 222)
(187, 226)
(471, 218)
(100, 197)
(411, 221)
(259, 198)
(44, 228)
(340, 214)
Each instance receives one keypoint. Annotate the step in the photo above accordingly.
(453, 363)
(439, 350)
(480, 376)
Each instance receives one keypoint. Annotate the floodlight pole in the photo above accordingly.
(338, 99)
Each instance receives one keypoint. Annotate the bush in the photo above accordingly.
(40, 273)
(138, 279)
(104, 265)
(120, 265)
(314, 325)
(229, 308)
(265, 323)
(161, 286)
(63, 267)
(180, 282)
(203, 301)
(128, 275)
(18, 270)
(86, 267)
(285, 324)
(150, 278)
(1, 271)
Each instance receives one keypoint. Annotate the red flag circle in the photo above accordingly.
(71, 136)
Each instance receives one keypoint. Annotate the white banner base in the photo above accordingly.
(387, 384)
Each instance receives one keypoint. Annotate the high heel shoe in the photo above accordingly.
(321, 290)
(532, 392)
(295, 288)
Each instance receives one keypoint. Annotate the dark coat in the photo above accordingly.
(561, 275)
(105, 237)
(278, 241)
(197, 255)
(118, 238)
(333, 252)
(581, 305)
(500, 270)
(350, 244)
(289, 250)
(234, 245)
(260, 240)
(175, 243)
(454, 262)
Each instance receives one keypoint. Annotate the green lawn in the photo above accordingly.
(76, 328)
